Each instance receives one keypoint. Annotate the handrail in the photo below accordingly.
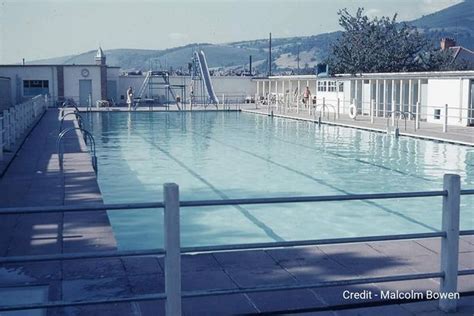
(172, 251)
(221, 202)
(401, 115)
(79, 119)
(226, 247)
(85, 133)
(321, 111)
(67, 104)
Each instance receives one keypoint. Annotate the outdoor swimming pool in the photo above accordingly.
(219, 155)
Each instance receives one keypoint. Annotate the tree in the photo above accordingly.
(381, 45)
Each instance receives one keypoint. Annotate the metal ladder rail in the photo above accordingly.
(79, 119)
(87, 135)
(66, 105)
(401, 115)
(324, 106)
(143, 88)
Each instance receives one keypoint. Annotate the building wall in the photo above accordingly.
(69, 75)
(222, 85)
(19, 73)
(5, 93)
(113, 76)
(455, 93)
(319, 89)
(72, 75)
(431, 91)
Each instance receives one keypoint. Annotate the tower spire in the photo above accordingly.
(100, 57)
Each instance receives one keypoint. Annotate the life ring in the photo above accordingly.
(352, 111)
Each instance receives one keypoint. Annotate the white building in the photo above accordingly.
(87, 84)
(385, 93)
(83, 83)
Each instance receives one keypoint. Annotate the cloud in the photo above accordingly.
(178, 36)
(372, 13)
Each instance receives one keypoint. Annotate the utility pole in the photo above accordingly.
(250, 65)
(270, 56)
(298, 61)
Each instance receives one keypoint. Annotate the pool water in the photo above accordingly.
(220, 155)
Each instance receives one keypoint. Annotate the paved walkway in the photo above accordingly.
(456, 134)
(34, 178)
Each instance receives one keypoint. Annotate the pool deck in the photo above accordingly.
(455, 134)
(34, 178)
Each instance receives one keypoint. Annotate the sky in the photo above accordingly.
(38, 29)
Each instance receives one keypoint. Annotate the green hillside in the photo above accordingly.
(456, 21)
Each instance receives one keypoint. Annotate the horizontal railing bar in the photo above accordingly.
(79, 208)
(323, 198)
(466, 272)
(56, 304)
(196, 203)
(345, 282)
(467, 192)
(81, 255)
(250, 246)
(314, 242)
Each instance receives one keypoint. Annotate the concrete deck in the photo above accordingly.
(455, 134)
(34, 178)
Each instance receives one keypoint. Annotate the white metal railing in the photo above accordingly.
(444, 115)
(17, 120)
(172, 251)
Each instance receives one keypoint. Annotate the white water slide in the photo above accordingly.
(206, 77)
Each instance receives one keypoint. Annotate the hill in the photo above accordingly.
(456, 21)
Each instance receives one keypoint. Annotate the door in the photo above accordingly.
(470, 111)
(112, 90)
(85, 90)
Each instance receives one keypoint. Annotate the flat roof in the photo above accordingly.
(55, 65)
(380, 75)
(424, 74)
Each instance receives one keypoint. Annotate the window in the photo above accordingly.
(332, 86)
(341, 86)
(322, 86)
(35, 87)
(437, 114)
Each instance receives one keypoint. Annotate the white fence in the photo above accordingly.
(17, 120)
(443, 115)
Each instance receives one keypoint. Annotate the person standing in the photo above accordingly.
(129, 97)
(306, 96)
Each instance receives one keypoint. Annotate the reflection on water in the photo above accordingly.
(218, 155)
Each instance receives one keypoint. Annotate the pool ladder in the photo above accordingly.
(88, 139)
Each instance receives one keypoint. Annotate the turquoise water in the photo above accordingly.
(219, 155)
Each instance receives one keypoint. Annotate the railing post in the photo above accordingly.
(13, 131)
(1, 137)
(21, 119)
(324, 106)
(372, 102)
(173, 250)
(7, 126)
(450, 243)
(393, 112)
(338, 108)
(445, 123)
(417, 118)
(89, 102)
